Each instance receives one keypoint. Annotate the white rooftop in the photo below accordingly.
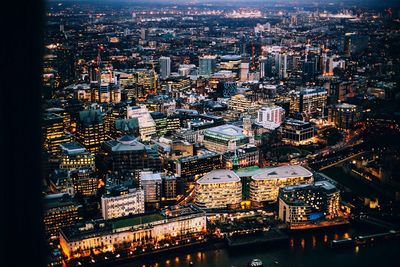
(228, 130)
(218, 177)
(282, 172)
(146, 176)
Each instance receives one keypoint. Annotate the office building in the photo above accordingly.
(160, 120)
(85, 182)
(122, 200)
(165, 67)
(90, 130)
(270, 117)
(74, 156)
(303, 204)
(169, 189)
(147, 126)
(207, 65)
(60, 210)
(265, 184)
(243, 157)
(152, 185)
(309, 101)
(224, 138)
(54, 133)
(344, 116)
(218, 189)
(128, 154)
(196, 166)
(297, 132)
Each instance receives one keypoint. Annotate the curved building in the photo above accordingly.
(264, 186)
(218, 189)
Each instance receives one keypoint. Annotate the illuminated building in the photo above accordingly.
(85, 182)
(90, 130)
(178, 222)
(245, 157)
(207, 65)
(302, 204)
(241, 104)
(120, 201)
(169, 187)
(147, 126)
(297, 132)
(195, 166)
(165, 67)
(218, 189)
(264, 185)
(310, 101)
(270, 117)
(151, 184)
(63, 113)
(344, 116)
(224, 138)
(244, 71)
(125, 127)
(126, 153)
(74, 156)
(54, 133)
(60, 210)
(160, 120)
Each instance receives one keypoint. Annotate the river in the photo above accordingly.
(309, 249)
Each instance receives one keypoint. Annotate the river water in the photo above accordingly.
(310, 249)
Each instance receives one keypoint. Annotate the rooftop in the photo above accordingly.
(227, 130)
(282, 172)
(219, 176)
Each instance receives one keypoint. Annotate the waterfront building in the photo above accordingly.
(224, 138)
(147, 126)
(74, 156)
(60, 210)
(121, 200)
(218, 189)
(297, 132)
(265, 184)
(178, 222)
(344, 116)
(302, 204)
(270, 117)
(90, 129)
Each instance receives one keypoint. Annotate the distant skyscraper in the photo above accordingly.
(207, 65)
(143, 34)
(282, 66)
(165, 67)
(244, 71)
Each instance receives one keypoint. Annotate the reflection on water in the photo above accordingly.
(301, 250)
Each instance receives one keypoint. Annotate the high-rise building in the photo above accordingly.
(218, 189)
(152, 185)
(310, 101)
(165, 67)
(244, 71)
(344, 116)
(120, 201)
(207, 65)
(282, 65)
(54, 133)
(90, 130)
(303, 204)
(264, 186)
(85, 182)
(271, 117)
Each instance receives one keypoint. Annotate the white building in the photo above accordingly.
(264, 186)
(244, 71)
(147, 126)
(218, 189)
(165, 67)
(270, 117)
(122, 201)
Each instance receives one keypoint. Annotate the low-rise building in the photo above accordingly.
(218, 189)
(264, 186)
